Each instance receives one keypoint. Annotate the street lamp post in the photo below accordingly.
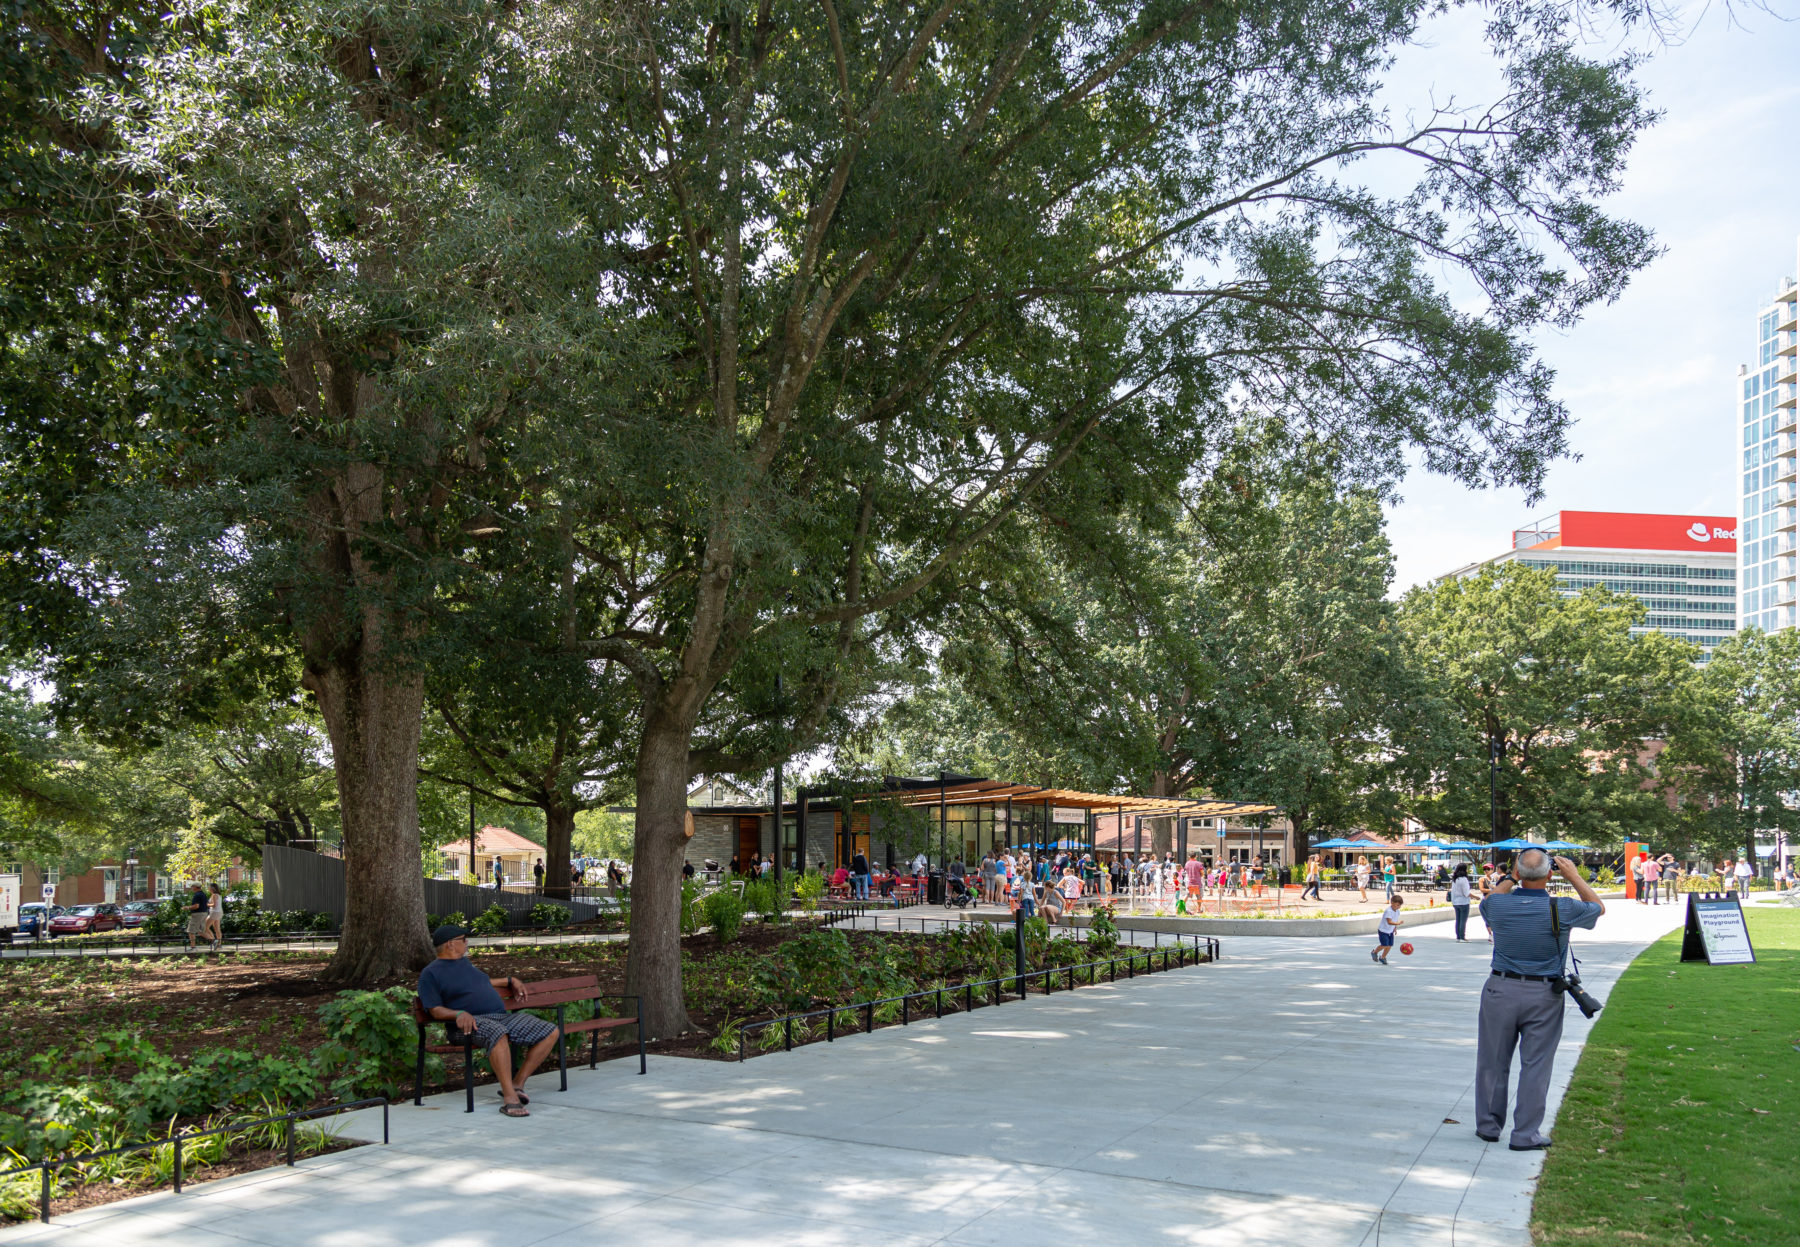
(779, 761)
(1493, 787)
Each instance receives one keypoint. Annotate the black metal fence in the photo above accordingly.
(996, 991)
(923, 924)
(97, 945)
(297, 879)
(48, 1166)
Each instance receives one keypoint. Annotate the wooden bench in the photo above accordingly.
(549, 993)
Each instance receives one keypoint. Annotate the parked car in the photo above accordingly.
(35, 916)
(134, 914)
(86, 919)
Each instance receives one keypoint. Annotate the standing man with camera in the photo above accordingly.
(1521, 1003)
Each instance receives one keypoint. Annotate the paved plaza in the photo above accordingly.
(1292, 1094)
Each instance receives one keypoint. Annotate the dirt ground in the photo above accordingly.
(268, 1002)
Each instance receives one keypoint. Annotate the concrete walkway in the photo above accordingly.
(1292, 1094)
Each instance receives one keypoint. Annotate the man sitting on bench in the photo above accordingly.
(452, 990)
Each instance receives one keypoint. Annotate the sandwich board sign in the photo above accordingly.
(1715, 931)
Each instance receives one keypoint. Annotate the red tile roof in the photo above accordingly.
(495, 840)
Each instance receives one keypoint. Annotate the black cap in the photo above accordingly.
(444, 934)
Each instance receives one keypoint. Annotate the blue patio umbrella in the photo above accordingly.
(1465, 846)
(1341, 844)
(1429, 843)
(1514, 845)
(1564, 846)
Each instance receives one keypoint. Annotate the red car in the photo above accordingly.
(134, 914)
(86, 919)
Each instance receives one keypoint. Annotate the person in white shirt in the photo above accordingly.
(1460, 895)
(1744, 871)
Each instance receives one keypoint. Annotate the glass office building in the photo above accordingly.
(1682, 567)
(1765, 397)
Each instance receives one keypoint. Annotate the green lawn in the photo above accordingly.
(1682, 1124)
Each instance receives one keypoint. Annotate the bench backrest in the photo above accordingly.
(557, 992)
(536, 995)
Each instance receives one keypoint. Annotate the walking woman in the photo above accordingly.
(1362, 876)
(1313, 869)
(215, 917)
(1460, 890)
(1390, 876)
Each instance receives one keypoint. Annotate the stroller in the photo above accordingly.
(957, 894)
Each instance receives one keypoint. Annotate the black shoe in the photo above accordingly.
(1487, 1138)
(1529, 1147)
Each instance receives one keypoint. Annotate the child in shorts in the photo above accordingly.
(1384, 931)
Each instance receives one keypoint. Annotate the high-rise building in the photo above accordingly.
(1766, 421)
(1681, 567)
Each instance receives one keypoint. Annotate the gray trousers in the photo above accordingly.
(1528, 1016)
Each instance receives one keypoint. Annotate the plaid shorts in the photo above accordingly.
(524, 1028)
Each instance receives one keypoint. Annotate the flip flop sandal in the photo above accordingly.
(514, 1110)
(523, 1098)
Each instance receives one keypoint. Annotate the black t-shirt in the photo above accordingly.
(197, 903)
(859, 865)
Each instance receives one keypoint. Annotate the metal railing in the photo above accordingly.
(1078, 934)
(81, 945)
(177, 1140)
(996, 990)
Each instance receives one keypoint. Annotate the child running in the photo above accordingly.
(1384, 932)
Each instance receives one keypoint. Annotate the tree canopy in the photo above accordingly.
(1557, 691)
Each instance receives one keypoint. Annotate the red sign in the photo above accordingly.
(1626, 530)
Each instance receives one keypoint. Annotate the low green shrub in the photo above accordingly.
(724, 912)
(809, 889)
(764, 899)
(370, 1043)
(490, 921)
(1103, 932)
(549, 914)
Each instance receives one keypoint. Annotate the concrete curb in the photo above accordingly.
(1360, 925)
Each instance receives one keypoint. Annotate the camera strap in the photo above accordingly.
(1556, 934)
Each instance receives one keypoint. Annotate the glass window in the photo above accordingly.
(1750, 432)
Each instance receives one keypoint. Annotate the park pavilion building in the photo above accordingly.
(963, 817)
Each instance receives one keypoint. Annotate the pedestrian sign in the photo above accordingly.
(1716, 933)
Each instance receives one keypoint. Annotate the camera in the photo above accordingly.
(1572, 985)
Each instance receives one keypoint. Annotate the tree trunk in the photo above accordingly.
(559, 837)
(374, 717)
(659, 845)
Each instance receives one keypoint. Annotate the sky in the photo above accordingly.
(1650, 378)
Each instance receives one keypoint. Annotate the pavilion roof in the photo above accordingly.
(968, 790)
